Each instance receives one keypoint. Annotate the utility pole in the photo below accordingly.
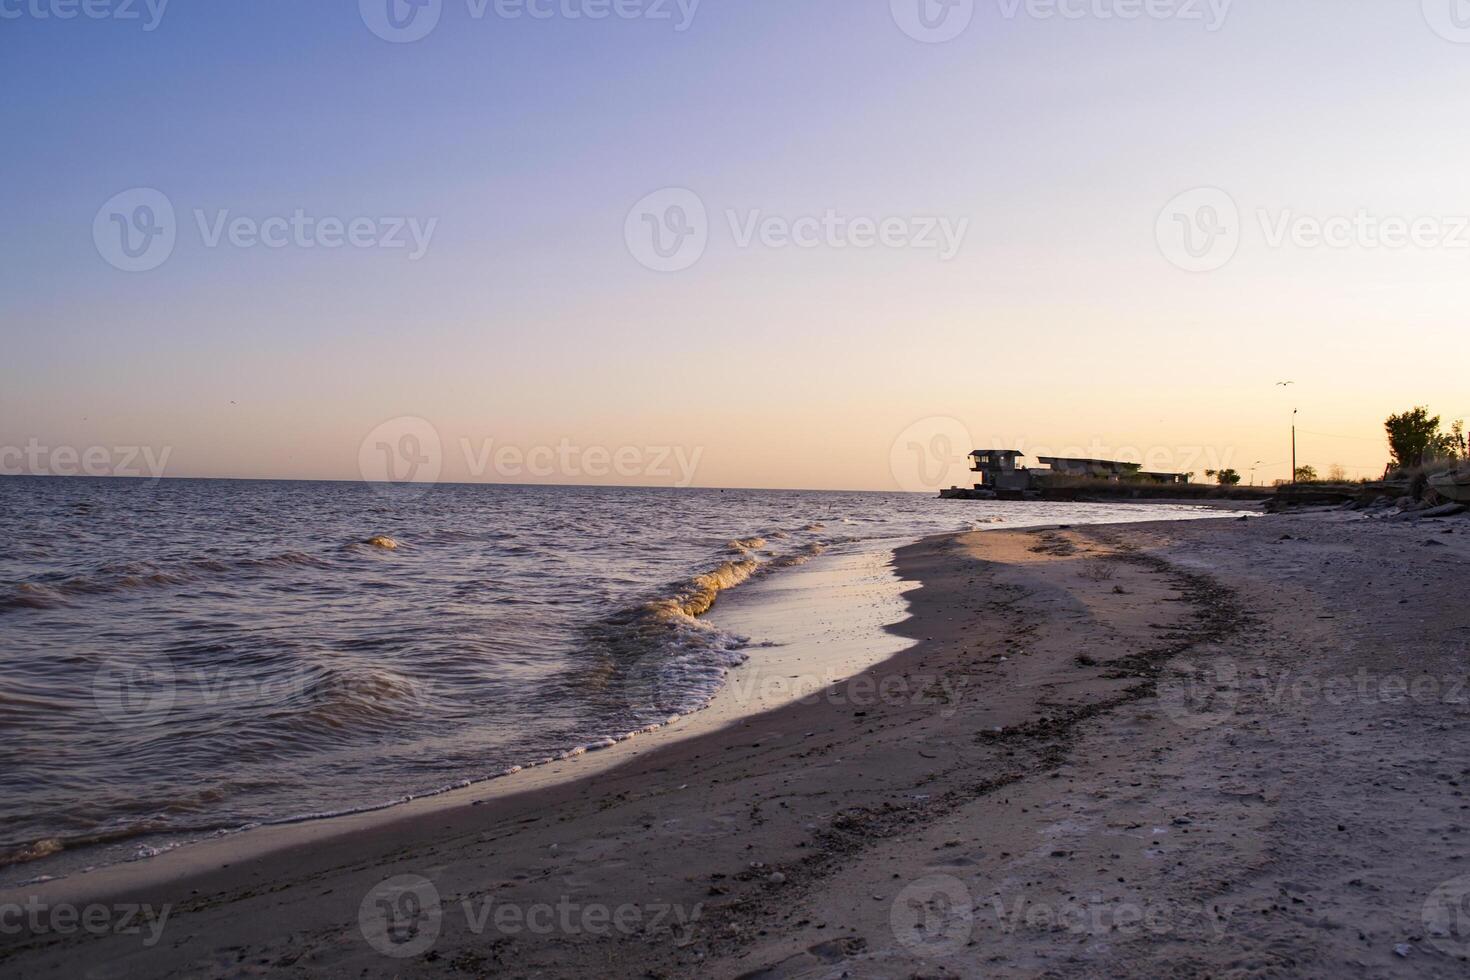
(1293, 447)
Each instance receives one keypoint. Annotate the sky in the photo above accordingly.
(773, 243)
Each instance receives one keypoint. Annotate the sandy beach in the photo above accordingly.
(1222, 747)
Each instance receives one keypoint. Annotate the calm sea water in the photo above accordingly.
(188, 657)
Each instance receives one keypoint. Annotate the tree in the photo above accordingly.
(1227, 478)
(1306, 474)
(1336, 473)
(1414, 438)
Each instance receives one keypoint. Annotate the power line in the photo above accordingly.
(1331, 435)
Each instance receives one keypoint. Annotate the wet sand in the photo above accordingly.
(1190, 748)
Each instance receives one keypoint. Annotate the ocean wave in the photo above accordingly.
(801, 557)
(673, 662)
(354, 698)
(56, 589)
(51, 846)
(28, 595)
(695, 597)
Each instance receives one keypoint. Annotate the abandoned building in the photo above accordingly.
(1001, 472)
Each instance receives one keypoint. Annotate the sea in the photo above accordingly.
(181, 659)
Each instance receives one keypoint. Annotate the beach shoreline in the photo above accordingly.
(844, 590)
(1035, 733)
(780, 606)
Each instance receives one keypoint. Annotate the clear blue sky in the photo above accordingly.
(527, 321)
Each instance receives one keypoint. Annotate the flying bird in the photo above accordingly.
(1283, 384)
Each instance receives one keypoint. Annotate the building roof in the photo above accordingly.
(997, 452)
(1093, 462)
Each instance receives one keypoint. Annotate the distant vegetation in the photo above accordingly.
(1420, 447)
(1416, 440)
(1226, 478)
(1418, 444)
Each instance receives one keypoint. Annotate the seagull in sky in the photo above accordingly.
(1283, 384)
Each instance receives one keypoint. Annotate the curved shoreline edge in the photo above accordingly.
(793, 840)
